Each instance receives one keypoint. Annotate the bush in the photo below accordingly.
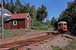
(56, 48)
(43, 27)
(39, 25)
(73, 31)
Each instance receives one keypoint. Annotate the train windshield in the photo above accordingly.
(61, 24)
(65, 23)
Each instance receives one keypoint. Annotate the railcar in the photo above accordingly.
(62, 26)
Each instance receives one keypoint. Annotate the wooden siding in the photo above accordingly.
(20, 24)
(7, 25)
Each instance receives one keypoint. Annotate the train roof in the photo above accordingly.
(62, 22)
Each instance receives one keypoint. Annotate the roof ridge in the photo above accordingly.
(18, 13)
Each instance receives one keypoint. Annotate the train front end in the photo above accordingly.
(62, 26)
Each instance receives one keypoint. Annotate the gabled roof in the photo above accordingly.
(19, 15)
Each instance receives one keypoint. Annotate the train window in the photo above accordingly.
(65, 24)
(61, 24)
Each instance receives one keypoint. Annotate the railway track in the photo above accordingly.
(30, 41)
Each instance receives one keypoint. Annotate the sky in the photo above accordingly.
(54, 7)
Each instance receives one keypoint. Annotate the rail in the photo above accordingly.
(25, 40)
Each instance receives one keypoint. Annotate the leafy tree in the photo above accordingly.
(41, 13)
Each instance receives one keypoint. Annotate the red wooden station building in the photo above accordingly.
(18, 21)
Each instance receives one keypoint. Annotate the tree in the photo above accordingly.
(69, 14)
(41, 13)
(18, 6)
(7, 6)
(27, 8)
(53, 22)
(33, 12)
(48, 23)
(12, 6)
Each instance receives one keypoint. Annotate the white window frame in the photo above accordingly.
(15, 23)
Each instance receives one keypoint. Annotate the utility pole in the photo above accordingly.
(2, 18)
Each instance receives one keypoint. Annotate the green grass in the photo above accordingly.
(56, 48)
(14, 48)
(39, 25)
(14, 32)
(71, 46)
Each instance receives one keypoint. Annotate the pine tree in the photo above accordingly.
(53, 22)
(33, 12)
(27, 8)
(7, 6)
(18, 6)
(41, 13)
(12, 6)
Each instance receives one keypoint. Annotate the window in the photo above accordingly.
(65, 24)
(14, 23)
(62, 24)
